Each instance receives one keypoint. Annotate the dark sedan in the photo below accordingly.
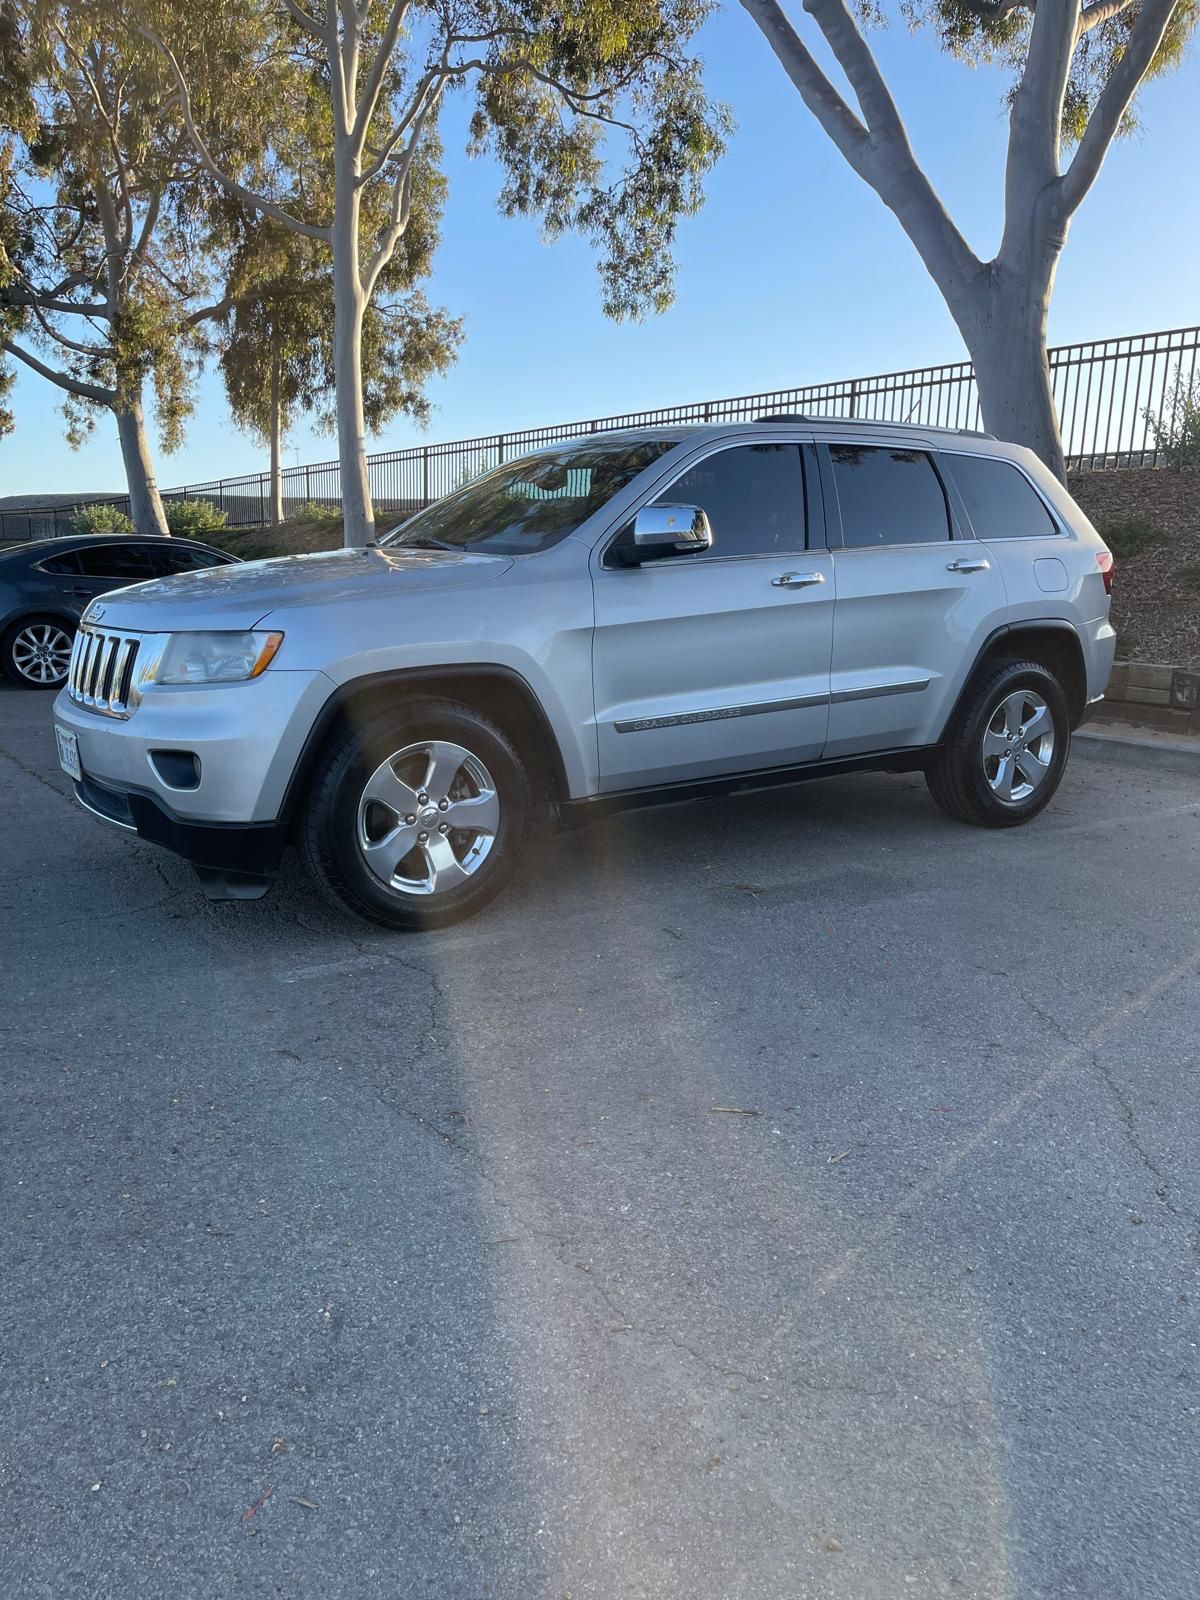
(46, 586)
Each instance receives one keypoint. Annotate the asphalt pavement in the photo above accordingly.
(791, 1197)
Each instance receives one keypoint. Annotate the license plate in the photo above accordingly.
(68, 754)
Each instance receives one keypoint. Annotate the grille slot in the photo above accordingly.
(101, 677)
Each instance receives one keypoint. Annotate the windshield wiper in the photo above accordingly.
(426, 541)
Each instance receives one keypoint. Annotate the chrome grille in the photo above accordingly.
(102, 670)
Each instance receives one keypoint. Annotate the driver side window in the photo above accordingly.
(754, 497)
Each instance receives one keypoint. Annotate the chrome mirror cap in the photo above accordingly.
(671, 530)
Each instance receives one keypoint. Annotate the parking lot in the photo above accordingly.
(791, 1196)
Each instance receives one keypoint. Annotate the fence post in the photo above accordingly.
(854, 397)
(500, 449)
(425, 474)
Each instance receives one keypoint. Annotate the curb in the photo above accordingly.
(1147, 750)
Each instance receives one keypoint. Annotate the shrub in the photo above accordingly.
(317, 512)
(1177, 430)
(191, 519)
(103, 517)
(1130, 536)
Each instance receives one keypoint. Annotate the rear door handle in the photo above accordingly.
(797, 580)
(974, 564)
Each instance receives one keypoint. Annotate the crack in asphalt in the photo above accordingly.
(1164, 1181)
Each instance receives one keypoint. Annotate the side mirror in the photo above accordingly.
(670, 531)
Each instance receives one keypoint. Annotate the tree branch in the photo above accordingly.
(1113, 101)
(75, 386)
(210, 313)
(818, 94)
(880, 152)
(1100, 11)
(379, 65)
(1035, 125)
(269, 208)
(30, 297)
(398, 132)
(307, 22)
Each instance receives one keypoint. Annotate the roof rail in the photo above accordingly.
(869, 422)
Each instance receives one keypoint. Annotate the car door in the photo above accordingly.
(718, 662)
(106, 566)
(915, 597)
(1034, 554)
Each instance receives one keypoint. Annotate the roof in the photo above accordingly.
(36, 549)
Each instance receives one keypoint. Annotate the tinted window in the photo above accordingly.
(530, 503)
(66, 564)
(130, 563)
(1000, 502)
(172, 558)
(754, 497)
(888, 496)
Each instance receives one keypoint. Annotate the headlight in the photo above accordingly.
(216, 657)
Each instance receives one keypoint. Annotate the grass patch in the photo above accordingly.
(1131, 536)
(1190, 578)
(299, 535)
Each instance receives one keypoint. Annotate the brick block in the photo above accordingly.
(1185, 691)
(1161, 717)
(1144, 676)
(1136, 695)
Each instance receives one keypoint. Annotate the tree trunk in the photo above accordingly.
(348, 307)
(276, 443)
(1007, 342)
(145, 506)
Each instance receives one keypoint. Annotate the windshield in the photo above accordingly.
(531, 503)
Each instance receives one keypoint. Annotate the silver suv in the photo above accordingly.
(626, 618)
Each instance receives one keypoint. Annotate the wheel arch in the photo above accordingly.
(1050, 641)
(496, 692)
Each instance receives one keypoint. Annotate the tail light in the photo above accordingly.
(1107, 566)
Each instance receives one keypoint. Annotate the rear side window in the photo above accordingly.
(1000, 501)
(128, 562)
(754, 497)
(62, 566)
(888, 496)
(171, 559)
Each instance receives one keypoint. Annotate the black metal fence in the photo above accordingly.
(1102, 390)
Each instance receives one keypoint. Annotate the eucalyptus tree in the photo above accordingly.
(1076, 67)
(276, 353)
(548, 83)
(106, 280)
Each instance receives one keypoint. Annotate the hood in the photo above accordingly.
(241, 595)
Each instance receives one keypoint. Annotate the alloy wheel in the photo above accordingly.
(428, 817)
(41, 653)
(1018, 747)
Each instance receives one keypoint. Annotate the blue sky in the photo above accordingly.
(793, 273)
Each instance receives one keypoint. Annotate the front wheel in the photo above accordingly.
(36, 653)
(1005, 751)
(417, 819)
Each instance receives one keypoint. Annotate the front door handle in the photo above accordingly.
(797, 580)
(973, 564)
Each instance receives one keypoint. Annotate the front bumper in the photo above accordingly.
(246, 737)
(234, 861)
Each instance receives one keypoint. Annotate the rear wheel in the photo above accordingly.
(1006, 750)
(36, 652)
(417, 819)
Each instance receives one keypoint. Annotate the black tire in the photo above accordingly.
(957, 776)
(328, 836)
(12, 656)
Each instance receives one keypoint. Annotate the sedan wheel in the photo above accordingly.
(39, 654)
